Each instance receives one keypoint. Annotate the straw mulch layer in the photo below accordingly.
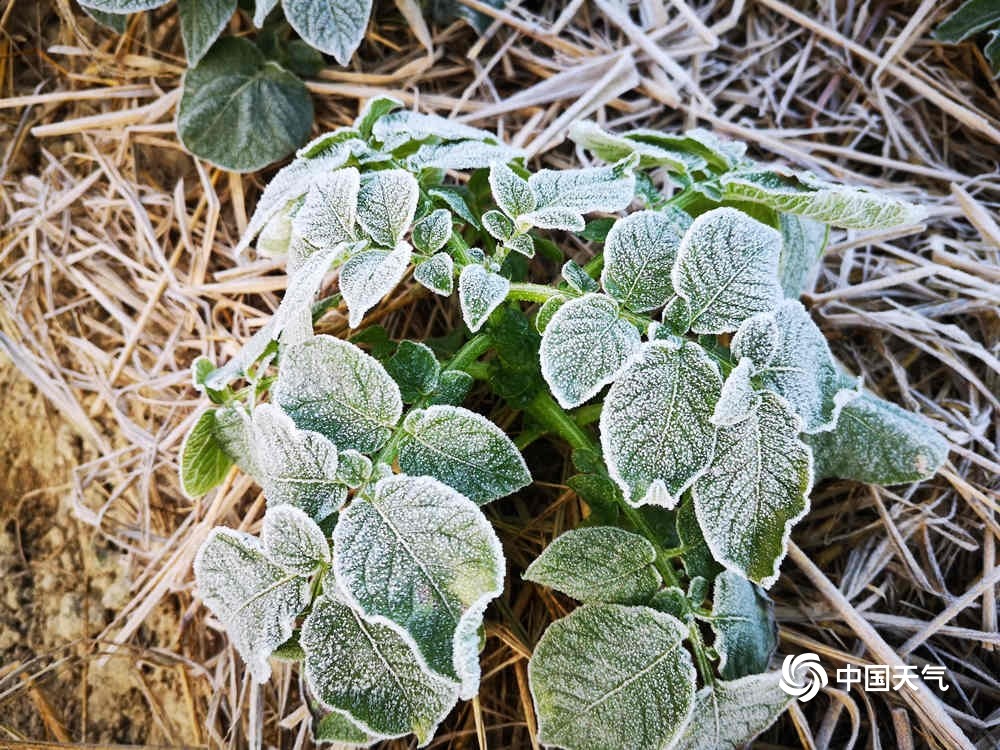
(116, 271)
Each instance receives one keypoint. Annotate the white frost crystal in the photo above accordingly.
(368, 277)
(639, 254)
(480, 292)
(293, 541)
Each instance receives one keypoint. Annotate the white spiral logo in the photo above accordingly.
(802, 676)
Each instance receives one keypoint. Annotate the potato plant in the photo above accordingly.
(696, 396)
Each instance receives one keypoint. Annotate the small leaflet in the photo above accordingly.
(573, 192)
(255, 600)
(614, 677)
(523, 244)
(419, 555)
(803, 241)
(480, 292)
(464, 450)
(656, 426)
(639, 254)
(598, 564)
(324, 144)
(437, 274)
(878, 442)
(738, 399)
(415, 370)
(584, 347)
(746, 633)
(335, 27)
(578, 278)
(755, 491)
(453, 387)
(333, 388)
(329, 213)
(204, 463)
(371, 672)
(339, 728)
(793, 359)
(368, 277)
(544, 315)
(498, 225)
(804, 194)
(510, 191)
(374, 109)
(433, 231)
(293, 541)
(399, 128)
(727, 270)
(297, 467)
(276, 236)
(611, 148)
(553, 217)
(201, 23)
(456, 198)
(730, 714)
(234, 433)
(473, 154)
(353, 469)
(387, 203)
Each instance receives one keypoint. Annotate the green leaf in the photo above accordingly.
(611, 147)
(367, 277)
(241, 112)
(374, 109)
(353, 469)
(738, 399)
(730, 714)
(437, 274)
(201, 23)
(804, 194)
(433, 231)
(339, 728)
(609, 676)
(115, 21)
(802, 244)
(293, 541)
(876, 441)
(461, 155)
(400, 128)
(544, 315)
(480, 292)
(333, 388)
(457, 200)
(386, 205)
(122, 7)
(639, 254)
(370, 671)
(598, 564)
(452, 389)
(329, 213)
(510, 191)
(578, 278)
(418, 554)
(970, 18)
(656, 428)
(255, 600)
(415, 370)
(204, 462)
(697, 557)
(585, 346)
(727, 270)
(234, 433)
(756, 489)
(335, 27)
(746, 633)
(499, 226)
(464, 450)
(579, 191)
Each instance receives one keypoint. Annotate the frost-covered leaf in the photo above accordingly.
(802, 243)
(261, 10)
(756, 489)
(353, 468)
(804, 194)
(339, 728)
(498, 225)
(878, 442)
(578, 278)
(114, 21)
(335, 27)
(461, 155)
(369, 276)
(418, 554)
(122, 7)
(606, 189)
(464, 450)
(676, 316)
(375, 108)
(332, 387)
(437, 274)
(730, 714)
(727, 269)
(293, 541)
(254, 599)
(452, 389)
(457, 199)
(610, 147)
(204, 463)
(746, 633)
(387, 203)
(329, 213)
(598, 564)
(656, 428)
(544, 315)
(792, 358)
(738, 398)
(415, 370)
(552, 217)
(201, 23)
(234, 432)
(480, 292)
(433, 231)
(639, 253)
(276, 236)
(585, 346)
(510, 191)
(296, 467)
(371, 672)
(402, 127)
(523, 244)
(264, 111)
(610, 676)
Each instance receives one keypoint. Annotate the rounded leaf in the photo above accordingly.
(369, 276)
(293, 541)
(335, 27)
(639, 254)
(480, 292)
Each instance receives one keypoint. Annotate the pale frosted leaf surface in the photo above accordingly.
(234, 433)
(367, 277)
(676, 316)
(523, 244)
(605, 189)
(419, 554)
(746, 633)
(261, 9)
(598, 564)
(415, 370)
(329, 213)
(204, 463)
(201, 23)
(297, 467)
(248, 354)
(878, 442)
(584, 347)
(122, 7)
(802, 243)
(610, 676)
(806, 195)
(335, 27)
(793, 359)
(387, 202)
(333, 388)
(733, 713)
(461, 155)
(433, 231)
(553, 217)
(756, 489)
(293, 541)
(499, 225)
(639, 254)
(578, 278)
(611, 147)
(656, 426)
(464, 450)
(306, 279)
(399, 128)
(371, 672)
(374, 109)
(510, 191)
(727, 269)
(738, 399)
(332, 141)
(254, 599)
(437, 274)
(353, 468)
(276, 236)
(480, 292)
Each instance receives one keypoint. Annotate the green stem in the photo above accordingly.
(534, 292)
